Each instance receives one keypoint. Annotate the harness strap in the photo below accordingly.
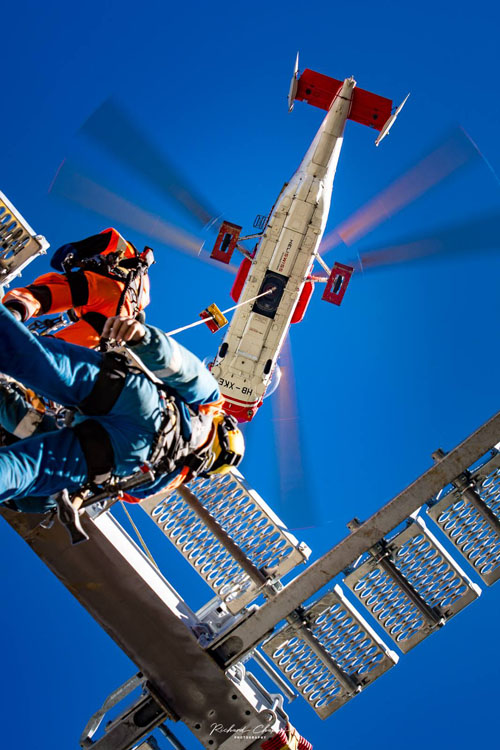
(128, 291)
(97, 449)
(108, 386)
(168, 447)
(42, 294)
(197, 462)
(173, 452)
(79, 287)
(94, 319)
(134, 283)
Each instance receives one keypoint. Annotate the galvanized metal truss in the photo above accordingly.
(231, 507)
(19, 244)
(242, 637)
(194, 665)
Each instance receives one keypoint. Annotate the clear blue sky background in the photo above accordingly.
(407, 364)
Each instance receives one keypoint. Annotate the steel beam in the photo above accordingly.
(140, 721)
(137, 607)
(232, 645)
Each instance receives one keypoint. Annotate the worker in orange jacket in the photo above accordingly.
(102, 276)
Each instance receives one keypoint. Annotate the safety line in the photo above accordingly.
(229, 309)
(141, 540)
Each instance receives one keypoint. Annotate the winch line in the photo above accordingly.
(229, 309)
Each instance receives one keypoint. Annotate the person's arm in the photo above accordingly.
(50, 293)
(167, 359)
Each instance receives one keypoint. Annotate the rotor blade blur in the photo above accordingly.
(113, 129)
(74, 186)
(479, 234)
(297, 506)
(453, 152)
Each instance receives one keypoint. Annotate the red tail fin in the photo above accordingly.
(320, 91)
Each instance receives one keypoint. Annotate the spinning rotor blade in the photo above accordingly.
(455, 151)
(297, 504)
(71, 184)
(475, 235)
(113, 129)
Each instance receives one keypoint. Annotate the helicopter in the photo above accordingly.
(279, 274)
(117, 134)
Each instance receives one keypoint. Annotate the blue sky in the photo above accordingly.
(407, 364)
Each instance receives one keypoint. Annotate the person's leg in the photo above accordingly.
(53, 368)
(18, 416)
(32, 504)
(42, 465)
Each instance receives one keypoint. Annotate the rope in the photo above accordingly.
(229, 309)
(141, 540)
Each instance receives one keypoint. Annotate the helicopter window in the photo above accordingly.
(225, 242)
(274, 284)
(338, 284)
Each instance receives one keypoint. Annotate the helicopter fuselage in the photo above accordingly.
(281, 266)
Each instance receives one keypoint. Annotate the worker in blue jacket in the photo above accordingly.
(122, 419)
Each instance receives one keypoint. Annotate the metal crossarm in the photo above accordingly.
(407, 581)
(469, 515)
(19, 244)
(356, 653)
(246, 519)
(411, 585)
(111, 577)
(116, 696)
(133, 725)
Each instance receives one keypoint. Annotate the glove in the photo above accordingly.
(17, 310)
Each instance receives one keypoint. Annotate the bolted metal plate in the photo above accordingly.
(246, 518)
(466, 528)
(349, 640)
(19, 244)
(431, 572)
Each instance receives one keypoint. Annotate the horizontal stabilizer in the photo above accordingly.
(320, 91)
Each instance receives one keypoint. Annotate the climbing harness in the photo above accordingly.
(169, 451)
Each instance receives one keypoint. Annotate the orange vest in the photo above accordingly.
(94, 296)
